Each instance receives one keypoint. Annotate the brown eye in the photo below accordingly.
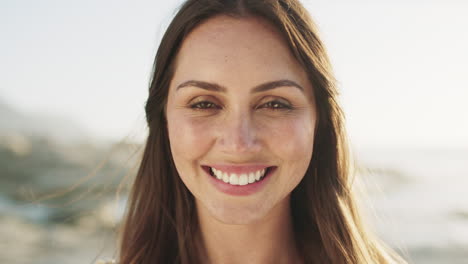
(276, 105)
(204, 105)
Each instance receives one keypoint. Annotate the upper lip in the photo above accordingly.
(238, 169)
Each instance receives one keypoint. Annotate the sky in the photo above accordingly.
(402, 67)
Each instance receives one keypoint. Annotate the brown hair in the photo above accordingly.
(161, 222)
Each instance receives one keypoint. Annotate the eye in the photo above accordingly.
(204, 105)
(276, 105)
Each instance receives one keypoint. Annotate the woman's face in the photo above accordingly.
(241, 119)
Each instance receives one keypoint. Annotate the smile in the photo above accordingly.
(238, 179)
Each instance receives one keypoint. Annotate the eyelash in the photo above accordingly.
(199, 105)
(283, 106)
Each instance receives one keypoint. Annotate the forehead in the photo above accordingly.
(233, 50)
(224, 31)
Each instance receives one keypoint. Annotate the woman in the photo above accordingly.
(246, 159)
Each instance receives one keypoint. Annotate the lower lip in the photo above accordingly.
(240, 190)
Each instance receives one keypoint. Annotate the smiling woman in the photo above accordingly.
(252, 124)
(246, 159)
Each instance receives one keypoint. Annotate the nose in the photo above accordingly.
(238, 134)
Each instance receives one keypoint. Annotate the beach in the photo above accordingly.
(414, 199)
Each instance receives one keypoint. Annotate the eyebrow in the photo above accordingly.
(259, 88)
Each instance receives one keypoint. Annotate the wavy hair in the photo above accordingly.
(160, 224)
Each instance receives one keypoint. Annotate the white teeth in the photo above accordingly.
(217, 173)
(257, 176)
(233, 179)
(251, 177)
(225, 178)
(242, 179)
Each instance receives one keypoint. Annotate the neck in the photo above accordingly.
(269, 240)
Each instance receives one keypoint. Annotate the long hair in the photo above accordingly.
(161, 225)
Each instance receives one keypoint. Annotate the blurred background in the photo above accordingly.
(73, 83)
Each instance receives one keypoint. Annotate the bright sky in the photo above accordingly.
(403, 68)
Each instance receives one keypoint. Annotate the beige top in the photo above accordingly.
(105, 261)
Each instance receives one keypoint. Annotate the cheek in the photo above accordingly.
(188, 143)
(188, 137)
(291, 139)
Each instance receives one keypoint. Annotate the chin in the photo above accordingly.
(238, 212)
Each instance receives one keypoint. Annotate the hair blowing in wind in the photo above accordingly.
(161, 223)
